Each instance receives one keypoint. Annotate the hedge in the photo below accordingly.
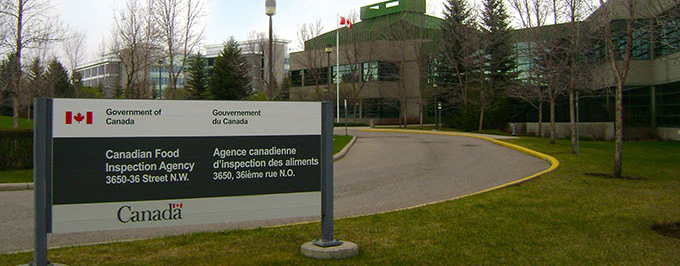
(16, 148)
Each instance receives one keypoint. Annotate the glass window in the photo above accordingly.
(388, 71)
(347, 73)
(667, 37)
(668, 104)
(296, 77)
(370, 71)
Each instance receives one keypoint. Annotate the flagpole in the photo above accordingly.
(337, 67)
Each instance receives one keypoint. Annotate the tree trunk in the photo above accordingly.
(540, 119)
(618, 153)
(361, 109)
(15, 109)
(552, 118)
(405, 114)
(17, 67)
(481, 118)
(420, 112)
(572, 120)
(401, 114)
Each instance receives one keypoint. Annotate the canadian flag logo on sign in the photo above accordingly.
(78, 118)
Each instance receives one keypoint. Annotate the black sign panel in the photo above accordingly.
(94, 170)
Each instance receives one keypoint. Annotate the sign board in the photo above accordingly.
(121, 164)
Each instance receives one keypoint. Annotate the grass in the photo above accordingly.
(562, 218)
(339, 142)
(8, 122)
(16, 176)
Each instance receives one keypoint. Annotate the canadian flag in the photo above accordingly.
(79, 117)
(344, 21)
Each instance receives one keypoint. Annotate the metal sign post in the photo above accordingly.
(327, 247)
(41, 174)
(327, 239)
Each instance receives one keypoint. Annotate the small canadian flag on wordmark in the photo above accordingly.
(177, 205)
(79, 117)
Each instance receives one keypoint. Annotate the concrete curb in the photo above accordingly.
(344, 150)
(27, 186)
(15, 186)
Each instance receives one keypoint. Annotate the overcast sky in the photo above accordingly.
(224, 18)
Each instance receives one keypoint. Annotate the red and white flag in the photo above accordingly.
(344, 21)
(79, 117)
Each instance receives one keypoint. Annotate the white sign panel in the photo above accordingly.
(139, 163)
(154, 118)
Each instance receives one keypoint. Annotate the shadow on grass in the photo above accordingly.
(608, 175)
(667, 229)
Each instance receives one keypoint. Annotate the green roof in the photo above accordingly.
(392, 7)
(406, 23)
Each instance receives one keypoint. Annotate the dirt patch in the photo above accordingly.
(667, 229)
(608, 175)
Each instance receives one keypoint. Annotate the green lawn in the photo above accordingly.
(339, 142)
(562, 218)
(8, 121)
(16, 176)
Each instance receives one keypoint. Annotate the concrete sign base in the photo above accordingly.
(346, 250)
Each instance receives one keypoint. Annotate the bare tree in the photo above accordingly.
(27, 25)
(400, 53)
(552, 62)
(577, 67)
(312, 60)
(423, 50)
(151, 53)
(357, 50)
(73, 47)
(532, 14)
(552, 59)
(180, 29)
(128, 44)
(619, 61)
(257, 44)
(481, 93)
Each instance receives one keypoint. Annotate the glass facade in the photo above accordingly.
(346, 73)
(667, 37)
(668, 104)
(368, 71)
(523, 59)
